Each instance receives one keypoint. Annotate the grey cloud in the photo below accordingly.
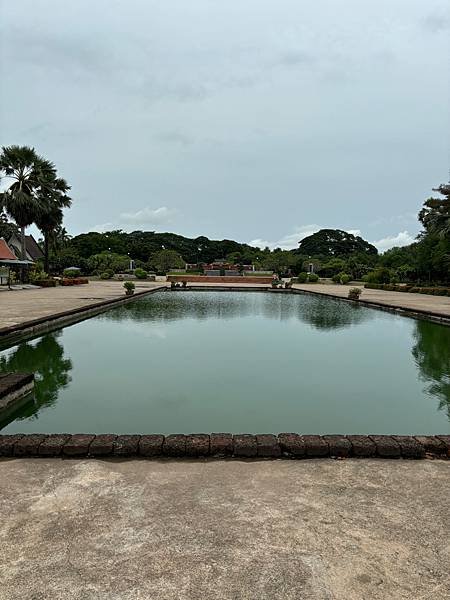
(55, 51)
(175, 137)
(436, 22)
(296, 58)
(249, 117)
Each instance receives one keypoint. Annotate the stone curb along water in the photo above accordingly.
(224, 445)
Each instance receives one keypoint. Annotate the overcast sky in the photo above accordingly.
(254, 120)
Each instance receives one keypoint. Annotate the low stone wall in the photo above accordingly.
(225, 445)
(218, 279)
(13, 387)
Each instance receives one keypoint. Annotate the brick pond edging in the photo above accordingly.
(224, 445)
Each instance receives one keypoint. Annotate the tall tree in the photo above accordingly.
(54, 198)
(435, 215)
(26, 173)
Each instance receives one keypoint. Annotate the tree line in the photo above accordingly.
(34, 193)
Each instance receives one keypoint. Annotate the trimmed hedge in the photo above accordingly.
(75, 281)
(390, 287)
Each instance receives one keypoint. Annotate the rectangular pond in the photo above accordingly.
(184, 362)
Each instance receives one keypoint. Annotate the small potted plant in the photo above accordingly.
(129, 288)
(354, 293)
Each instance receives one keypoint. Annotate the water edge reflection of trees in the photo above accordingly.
(322, 313)
(431, 353)
(45, 358)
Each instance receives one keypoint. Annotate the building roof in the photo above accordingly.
(5, 252)
(33, 248)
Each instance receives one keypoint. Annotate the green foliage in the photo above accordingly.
(313, 278)
(333, 267)
(302, 277)
(71, 273)
(390, 287)
(7, 228)
(354, 293)
(129, 287)
(435, 215)
(37, 273)
(108, 261)
(140, 273)
(106, 275)
(334, 243)
(164, 260)
(379, 275)
(344, 278)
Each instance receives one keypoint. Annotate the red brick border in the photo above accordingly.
(220, 279)
(224, 445)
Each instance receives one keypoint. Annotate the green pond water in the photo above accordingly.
(183, 362)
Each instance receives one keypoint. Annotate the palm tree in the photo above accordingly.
(49, 219)
(22, 200)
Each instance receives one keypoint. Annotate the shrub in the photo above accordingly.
(74, 281)
(106, 275)
(354, 293)
(129, 287)
(46, 283)
(302, 277)
(414, 289)
(313, 278)
(380, 275)
(71, 273)
(37, 273)
(336, 278)
(140, 274)
(345, 278)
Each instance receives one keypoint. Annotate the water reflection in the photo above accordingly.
(326, 313)
(321, 313)
(432, 356)
(44, 358)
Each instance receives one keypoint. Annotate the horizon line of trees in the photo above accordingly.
(35, 194)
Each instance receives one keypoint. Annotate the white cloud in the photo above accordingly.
(102, 227)
(149, 216)
(146, 219)
(403, 238)
(291, 240)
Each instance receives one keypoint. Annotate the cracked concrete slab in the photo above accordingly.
(140, 530)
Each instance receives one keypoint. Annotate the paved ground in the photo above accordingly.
(137, 530)
(17, 306)
(436, 304)
(24, 305)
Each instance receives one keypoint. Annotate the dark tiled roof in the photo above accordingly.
(32, 248)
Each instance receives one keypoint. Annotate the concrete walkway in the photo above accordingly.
(422, 302)
(141, 530)
(19, 306)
